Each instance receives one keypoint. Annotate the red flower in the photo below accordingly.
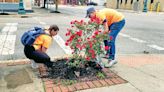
(92, 19)
(79, 33)
(66, 43)
(79, 40)
(111, 38)
(98, 21)
(88, 39)
(90, 44)
(67, 40)
(96, 32)
(93, 36)
(106, 47)
(91, 51)
(84, 45)
(75, 21)
(93, 56)
(71, 37)
(82, 21)
(68, 33)
(81, 47)
(71, 22)
(78, 46)
(87, 58)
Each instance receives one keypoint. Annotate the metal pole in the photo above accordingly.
(145, 6)
(2, 6)
(21, 9)
(47, 3)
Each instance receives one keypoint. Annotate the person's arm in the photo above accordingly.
(103, 22)
(106, 29)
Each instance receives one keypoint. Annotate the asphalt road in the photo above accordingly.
(142, 34)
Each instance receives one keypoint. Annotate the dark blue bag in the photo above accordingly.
(29, 37)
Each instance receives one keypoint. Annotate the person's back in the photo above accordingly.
(111, 15)
(37, 50)
(43, 40)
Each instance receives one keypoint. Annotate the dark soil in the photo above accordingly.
(61, 71)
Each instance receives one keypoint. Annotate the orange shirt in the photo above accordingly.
(42, 40)
(110, 15)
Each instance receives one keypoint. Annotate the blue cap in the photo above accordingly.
(89, 11)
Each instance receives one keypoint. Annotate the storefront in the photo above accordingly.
(6, 5)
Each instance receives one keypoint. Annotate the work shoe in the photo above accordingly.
(34, 65)
(111, 63)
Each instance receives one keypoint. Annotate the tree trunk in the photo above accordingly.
(117, 4)
(56, 8)
(56, 3)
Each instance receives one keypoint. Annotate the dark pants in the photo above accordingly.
(37, 56)
(115, 28)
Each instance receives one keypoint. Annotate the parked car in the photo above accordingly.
(92, 3)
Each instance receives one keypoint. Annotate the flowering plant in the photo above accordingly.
(85, 39)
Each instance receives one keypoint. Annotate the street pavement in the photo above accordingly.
(142, 33)
(139, 46)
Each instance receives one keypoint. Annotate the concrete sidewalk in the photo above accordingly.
(144, 73)
(20, 78)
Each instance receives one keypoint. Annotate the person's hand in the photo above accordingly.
(105, 32)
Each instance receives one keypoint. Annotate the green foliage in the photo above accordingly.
(101, 75)
(68, 82)
(85, 40)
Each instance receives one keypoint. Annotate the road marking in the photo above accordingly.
(124, 35)
(156, 47)
(11, 24)
(61, 43)
(2, 41)
(137, 40)
(142, 41)
(132, 38)
(9, 45)
(5, 29)
(7, 42)
(9, 28)
(43, 23)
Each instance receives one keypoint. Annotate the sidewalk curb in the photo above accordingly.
(26, 61)
(16, 16)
